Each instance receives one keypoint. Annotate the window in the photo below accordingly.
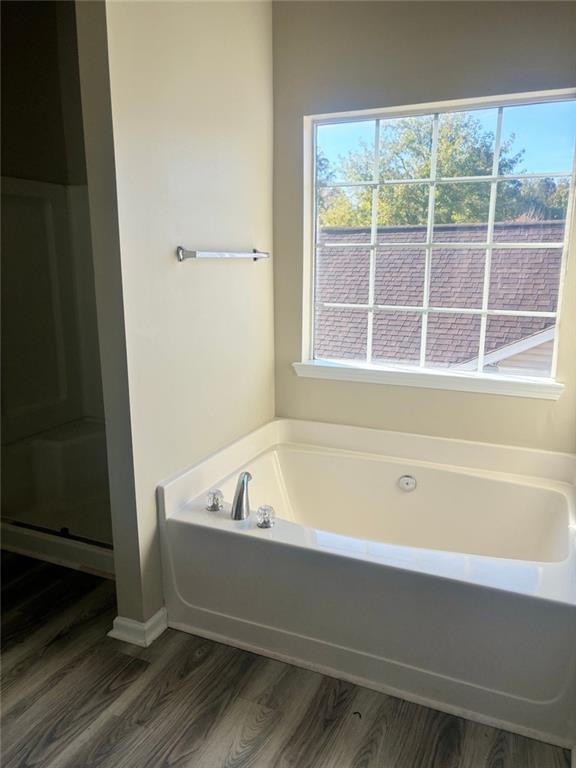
(437, 240)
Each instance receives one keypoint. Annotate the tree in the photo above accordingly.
(465, 148)
(533, 200)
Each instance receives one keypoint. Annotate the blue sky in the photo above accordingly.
(546, 131)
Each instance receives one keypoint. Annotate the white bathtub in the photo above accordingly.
(460, 594)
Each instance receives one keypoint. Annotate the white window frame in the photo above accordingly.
(414, 376)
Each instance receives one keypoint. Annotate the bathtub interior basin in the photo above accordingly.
(358, 495)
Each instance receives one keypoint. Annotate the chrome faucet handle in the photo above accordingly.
(215, 500)
(265, 517)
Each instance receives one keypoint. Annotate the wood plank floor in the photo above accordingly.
(74, 698)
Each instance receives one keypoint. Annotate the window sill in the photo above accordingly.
(539, 388)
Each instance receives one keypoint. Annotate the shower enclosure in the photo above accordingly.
(55, 480)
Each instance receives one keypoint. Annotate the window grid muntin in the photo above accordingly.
(431, 244)
(476, 244)
(429, 238)
(447, 310)
(489, 238)
(447, 179)
(373, 238)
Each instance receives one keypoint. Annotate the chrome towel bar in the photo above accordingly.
(182, 254)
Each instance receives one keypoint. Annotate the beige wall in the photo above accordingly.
(332, 56)
(191, 87)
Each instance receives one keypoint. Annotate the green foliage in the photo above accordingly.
(532, 200)
(465, 148)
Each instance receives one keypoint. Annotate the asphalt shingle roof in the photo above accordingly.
(520, 279)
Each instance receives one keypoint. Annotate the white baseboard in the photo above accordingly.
(142, 633)
(58, 550)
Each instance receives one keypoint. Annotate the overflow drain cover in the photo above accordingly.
(407, 483)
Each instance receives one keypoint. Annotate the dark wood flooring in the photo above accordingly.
(74, 698)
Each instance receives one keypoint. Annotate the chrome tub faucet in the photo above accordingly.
(241, 504)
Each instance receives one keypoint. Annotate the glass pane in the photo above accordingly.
(340, 334)
(538, 138)
(461, 212)
(399, 276)
(344, 215)
(452, 340)
(457, 277)
(396, 338)
(466, 142)
(531, 210)
(405, 147)
(525, 279)
(403, 213)
(342, 275)
(519, 346)
(345, 152)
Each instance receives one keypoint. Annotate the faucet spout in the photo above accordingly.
(241, 503)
